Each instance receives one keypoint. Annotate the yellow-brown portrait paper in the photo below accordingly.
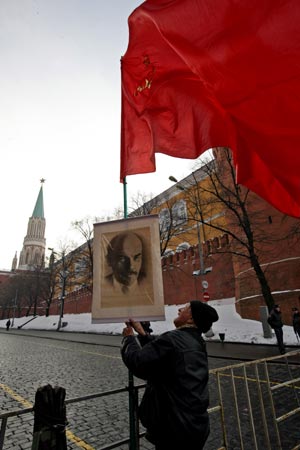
(127, 279)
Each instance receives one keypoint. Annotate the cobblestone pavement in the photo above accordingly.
(29, 361)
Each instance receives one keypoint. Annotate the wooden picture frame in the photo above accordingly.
(127, 278)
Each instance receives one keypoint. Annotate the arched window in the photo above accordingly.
(179, 212)
(36, 259)
(164, 219)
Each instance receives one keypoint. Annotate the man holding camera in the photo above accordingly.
(174, 406)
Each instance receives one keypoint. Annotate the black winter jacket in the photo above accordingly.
(275, 320)
(174, 406)
(296, 322)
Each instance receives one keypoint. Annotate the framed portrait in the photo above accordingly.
(127, 278)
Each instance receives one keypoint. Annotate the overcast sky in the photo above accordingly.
(60, 96)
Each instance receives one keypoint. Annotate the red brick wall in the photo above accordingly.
(280, 261)
(75, 303)
(180, 285)
(5, 276)
(278, 249)
(249, 307)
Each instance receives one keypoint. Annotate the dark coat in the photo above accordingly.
(275, 320)
(174, 406)
(296, 322)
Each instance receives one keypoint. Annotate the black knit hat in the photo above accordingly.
(203, 315)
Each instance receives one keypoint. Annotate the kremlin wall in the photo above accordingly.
(227, 273)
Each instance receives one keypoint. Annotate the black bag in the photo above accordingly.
(49, 430)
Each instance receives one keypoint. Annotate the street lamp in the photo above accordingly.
(52, 280)
(202, 270)
(171, 178)
(63, 275)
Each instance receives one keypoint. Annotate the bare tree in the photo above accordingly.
(169, 225)
(85, 261)
(83, 255)
(219, 203)
(24, 290)
(52, 281)
(65, 267)
(141, 204)
(8, 291)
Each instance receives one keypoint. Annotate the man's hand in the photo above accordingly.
(134, 326)
(128, 331)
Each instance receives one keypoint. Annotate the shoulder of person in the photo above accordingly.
(270, 319)
(167, 338)
(184, 333)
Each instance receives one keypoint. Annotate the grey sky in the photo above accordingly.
(60, 115)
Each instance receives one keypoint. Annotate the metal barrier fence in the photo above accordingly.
(258, 404)
(255, 406)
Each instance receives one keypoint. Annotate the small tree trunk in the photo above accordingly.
(265, 288)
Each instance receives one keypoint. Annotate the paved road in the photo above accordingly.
(82, 364)
(223, 350)
(28, 362)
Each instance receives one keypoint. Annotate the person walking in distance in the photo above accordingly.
(174, 406)
(296, 322)
(275, 322)
(7, 325)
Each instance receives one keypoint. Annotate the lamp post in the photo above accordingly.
(201, 260)
(52, 280)
(63, 275)
(201, 270)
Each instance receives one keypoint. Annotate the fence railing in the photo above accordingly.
(258, 404)
(255, 406)
(5, 416)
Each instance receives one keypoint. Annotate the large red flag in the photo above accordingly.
(199, 74)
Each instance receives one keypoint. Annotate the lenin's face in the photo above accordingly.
(128, 261)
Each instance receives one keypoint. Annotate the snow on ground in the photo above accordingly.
(230, 322)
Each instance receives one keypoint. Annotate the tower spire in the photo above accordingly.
(14, 263)
(33, 251)
(39, 205)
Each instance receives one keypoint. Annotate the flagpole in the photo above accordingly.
(125, 197)
(133, 399)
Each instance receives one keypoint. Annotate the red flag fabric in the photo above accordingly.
(199, 74)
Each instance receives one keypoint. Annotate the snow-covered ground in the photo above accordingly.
(235, 328)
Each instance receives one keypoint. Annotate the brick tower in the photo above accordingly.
(32, 255)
